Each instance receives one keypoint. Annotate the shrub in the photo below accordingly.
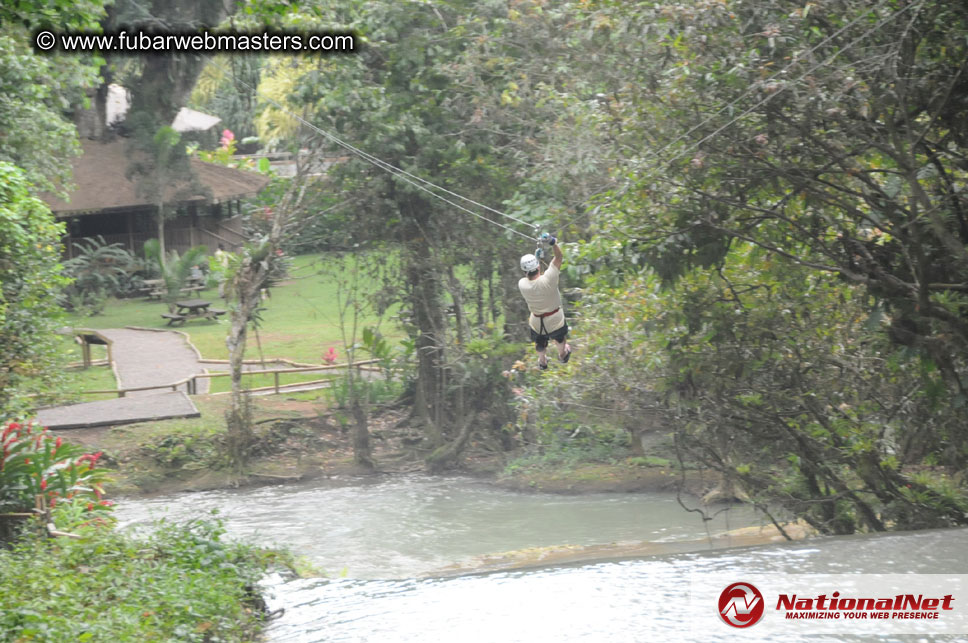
(36, 465)
(180, 583)
(100, 270)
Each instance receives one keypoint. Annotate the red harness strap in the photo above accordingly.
(542, 330)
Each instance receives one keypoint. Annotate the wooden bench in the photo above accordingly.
(214, 313)
(174, 318)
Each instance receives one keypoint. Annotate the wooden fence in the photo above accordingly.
(191, 382)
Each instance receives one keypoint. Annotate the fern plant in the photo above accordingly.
(99, 270)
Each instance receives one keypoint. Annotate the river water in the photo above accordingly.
(383, 543)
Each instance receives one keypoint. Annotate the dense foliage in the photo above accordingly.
(39, 90)
(29, 280)
(782, 261)
(181, 582)
(762, 204)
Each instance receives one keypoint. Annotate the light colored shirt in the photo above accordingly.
(542, 296)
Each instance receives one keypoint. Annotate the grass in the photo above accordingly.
(260, 380)
(300, 320)
(70, 381)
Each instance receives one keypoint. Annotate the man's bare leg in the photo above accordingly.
(563, 349)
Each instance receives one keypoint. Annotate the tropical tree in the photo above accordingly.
(38, 87)
(176, 269)
(788, 175)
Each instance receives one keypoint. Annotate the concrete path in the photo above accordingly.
(142, 358)
(150, 358)
(123, 410)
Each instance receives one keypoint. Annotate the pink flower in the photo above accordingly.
(227, 138)
(330, 357)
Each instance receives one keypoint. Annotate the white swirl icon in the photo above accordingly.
(45, 40)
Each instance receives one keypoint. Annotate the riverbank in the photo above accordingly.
(301, 438)
(176, 582)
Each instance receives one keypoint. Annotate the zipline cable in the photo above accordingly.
(407, 177)
(781, 72)
(422, 184)
(769, 97)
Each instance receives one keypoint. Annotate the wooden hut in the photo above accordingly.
(107, 202)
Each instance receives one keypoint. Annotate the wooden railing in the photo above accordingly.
(191, 382)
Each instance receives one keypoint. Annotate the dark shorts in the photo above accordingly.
(541, 341)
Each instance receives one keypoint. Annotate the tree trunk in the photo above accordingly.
(456, 290)
(239, 435)
(448, 455)
(425, 300)
(160, 218)
(362, 453)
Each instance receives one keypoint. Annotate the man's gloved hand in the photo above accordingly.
(547, 239)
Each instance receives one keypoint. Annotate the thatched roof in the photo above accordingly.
(102, 184)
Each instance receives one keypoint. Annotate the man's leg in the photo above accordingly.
(563, 348)
(540, 344)
(561, 337)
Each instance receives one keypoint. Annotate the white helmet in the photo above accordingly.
(529, 263)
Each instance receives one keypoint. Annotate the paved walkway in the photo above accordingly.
(149, 358)
(142, 358)
(123, 410)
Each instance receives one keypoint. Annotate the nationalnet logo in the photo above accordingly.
(741, 605)
(898, 607)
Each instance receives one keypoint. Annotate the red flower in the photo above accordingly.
(43, 485)
(58, 442)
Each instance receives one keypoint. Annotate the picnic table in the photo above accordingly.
(153, 288)
(156, 287)
(192, 309)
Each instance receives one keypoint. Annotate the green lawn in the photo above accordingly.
(300, 320)
(70, 381)
(259, 380)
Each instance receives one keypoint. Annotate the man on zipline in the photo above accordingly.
(540, 291)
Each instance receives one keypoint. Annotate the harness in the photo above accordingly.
(541, 318)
